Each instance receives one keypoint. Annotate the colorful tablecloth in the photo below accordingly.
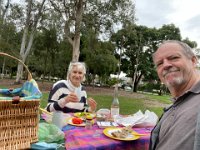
(79, 138)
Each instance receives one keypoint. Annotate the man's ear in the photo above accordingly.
(194, 61)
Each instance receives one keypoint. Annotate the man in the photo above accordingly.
(179, 126)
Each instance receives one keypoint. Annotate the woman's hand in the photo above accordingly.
(92, 103)
(72, 97)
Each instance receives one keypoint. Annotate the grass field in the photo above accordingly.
(128, 105)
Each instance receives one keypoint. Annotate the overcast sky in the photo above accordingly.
(185, 14)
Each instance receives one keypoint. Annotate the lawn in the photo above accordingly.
(128, 105)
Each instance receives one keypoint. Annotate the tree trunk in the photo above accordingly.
(76, 43)
(19, 73)
(27, 39)
(70, 18)
(24, 53)
(3, 68)
(137, 81)
(76, 49)
(3, 11)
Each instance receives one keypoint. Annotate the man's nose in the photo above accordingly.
(166, 64)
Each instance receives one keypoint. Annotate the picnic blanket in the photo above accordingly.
(79, 138)
(28, 91)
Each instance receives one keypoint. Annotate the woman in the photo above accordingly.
(69, 95)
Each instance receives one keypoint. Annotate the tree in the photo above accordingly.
(192, 44)
(72, 17)
(9, 37)
(169, 32)
(46, 51)
(139, 44)
(30, 26)
(98, 56)
(3, 10)
(98, 15)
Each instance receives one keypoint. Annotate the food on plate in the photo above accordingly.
(101, 117)
(103, 114)
(127, 129)
(86, 115)
(123, 133)
(89, 116)
(77, 121)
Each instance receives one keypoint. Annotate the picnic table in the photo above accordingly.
(80, 138)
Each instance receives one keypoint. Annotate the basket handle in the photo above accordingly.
(29, 74)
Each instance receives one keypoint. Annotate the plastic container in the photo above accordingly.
(103, 114)
(60, 119)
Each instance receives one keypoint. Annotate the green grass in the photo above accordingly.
(127, 105)
(44, 100)
(163, 98)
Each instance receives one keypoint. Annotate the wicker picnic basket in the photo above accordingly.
(19, 120)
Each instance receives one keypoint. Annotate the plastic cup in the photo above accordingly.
(60, 119)
(88, 124)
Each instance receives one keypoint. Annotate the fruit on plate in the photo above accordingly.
(77, 121)
(86, 115)
(89, 116)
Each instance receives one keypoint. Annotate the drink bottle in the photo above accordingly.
(115, 103)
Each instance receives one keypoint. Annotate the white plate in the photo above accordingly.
(71, 123)
(133, 136)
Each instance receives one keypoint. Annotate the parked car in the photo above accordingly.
(127, 88)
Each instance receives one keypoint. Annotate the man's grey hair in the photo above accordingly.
(187, 50)
(80, 65)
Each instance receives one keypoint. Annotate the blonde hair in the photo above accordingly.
(80, 65)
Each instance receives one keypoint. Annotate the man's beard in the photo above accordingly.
(176, 81)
